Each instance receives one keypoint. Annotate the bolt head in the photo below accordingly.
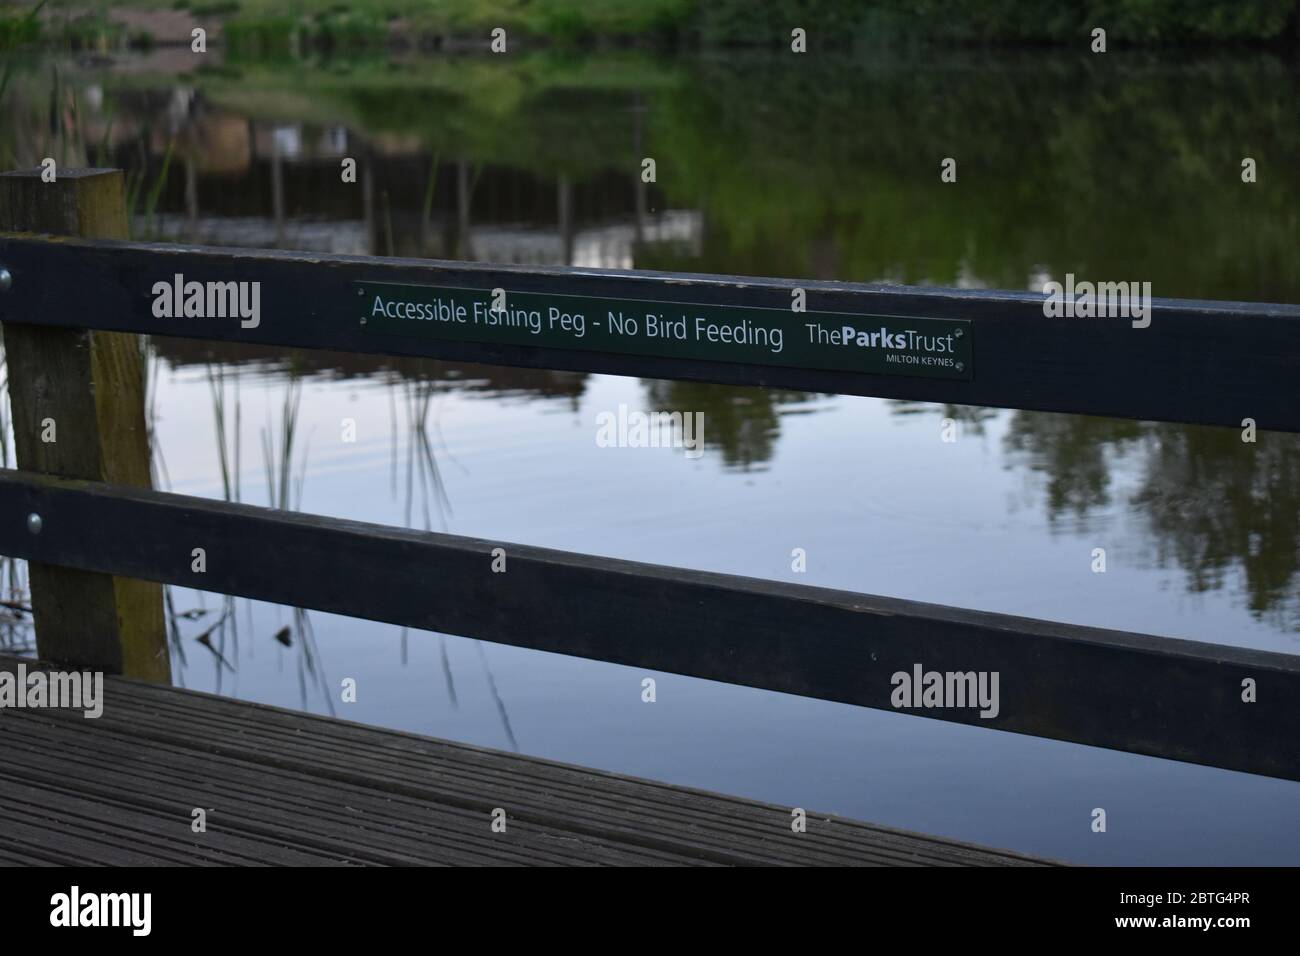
(34, 523)
(961, 366)
(6, 280)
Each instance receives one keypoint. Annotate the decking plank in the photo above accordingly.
(288, 788)
(465, 770)
(266, 804)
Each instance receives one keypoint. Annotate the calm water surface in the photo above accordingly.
(826, 170)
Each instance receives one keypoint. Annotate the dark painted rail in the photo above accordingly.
(1202, 362)
(1133, 692)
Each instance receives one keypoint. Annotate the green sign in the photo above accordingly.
(844, 341)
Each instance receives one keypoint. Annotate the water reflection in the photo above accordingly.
(261, 362)
(743, 424)
(1217, 507)
(1213, 505)
(1074, 454)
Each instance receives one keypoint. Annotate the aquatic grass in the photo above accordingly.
(149, 370)
(309, 663)
(135, 180)
(277, 456)
(8, 158)
(446, 672)
(390, 247)
(284, 483)
(422, 469)
(205, 638)
(101, 150)
(265, 38)
(496, 697)
(150, 364)
(155, 192)
(4, 78)
(228, 439)
(280, 441)
(426, 206)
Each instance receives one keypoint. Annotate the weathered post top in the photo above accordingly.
(82, 201)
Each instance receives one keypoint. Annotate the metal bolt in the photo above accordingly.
(360, 291)
(6, 279)
(961, 366)
(959, 333)
(34, 523)
(363, 320)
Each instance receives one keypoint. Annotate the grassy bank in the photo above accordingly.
(271, 27)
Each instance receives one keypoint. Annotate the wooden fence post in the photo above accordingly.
(78, 411)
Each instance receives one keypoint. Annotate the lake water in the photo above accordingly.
(1122, 168)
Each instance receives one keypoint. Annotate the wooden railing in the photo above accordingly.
(1214, 363)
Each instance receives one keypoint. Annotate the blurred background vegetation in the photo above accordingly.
(267, 25)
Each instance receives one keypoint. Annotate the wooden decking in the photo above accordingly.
(281, 787)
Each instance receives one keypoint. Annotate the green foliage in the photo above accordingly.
(569, 20)
(1125, 21)
(342, 31)
(839, 22)
(815, 170)
(212, 8)
(279, 37)
(831, 24)
(20, 27)
(268, 38)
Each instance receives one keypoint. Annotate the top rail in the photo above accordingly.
(1205, 362)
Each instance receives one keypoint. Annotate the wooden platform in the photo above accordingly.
(282, 787)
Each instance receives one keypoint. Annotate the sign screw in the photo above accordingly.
(6, 279)
(959, 333)
(961, 366)
(34, 523)
(360, 291)
(363, 320)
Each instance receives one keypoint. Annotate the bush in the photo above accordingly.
(267, 38)
(18, 29)
(214, 8)
(840, 22)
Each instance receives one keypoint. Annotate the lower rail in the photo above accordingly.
(1159, 696)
